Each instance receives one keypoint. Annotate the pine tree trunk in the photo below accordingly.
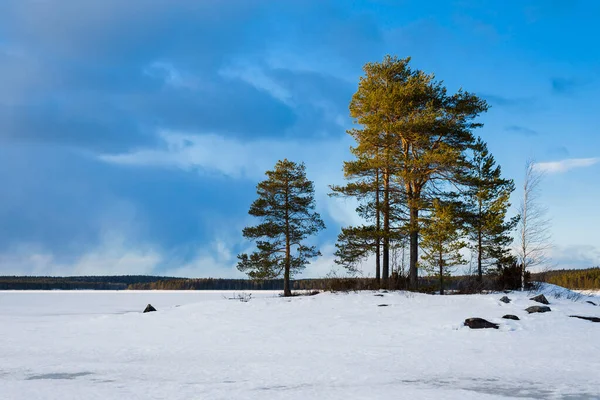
(386, 228)
(441, 264)
(414, 246)
(288, 254)
(479, 257)
(479, 246)
(378, 231)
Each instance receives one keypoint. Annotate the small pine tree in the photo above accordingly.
(441, 242)
(285, 206)
(355, 244)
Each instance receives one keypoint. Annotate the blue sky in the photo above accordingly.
(132, 134)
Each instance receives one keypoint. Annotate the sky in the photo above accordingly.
(133, 133)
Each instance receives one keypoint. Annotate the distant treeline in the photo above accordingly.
(74, 282)
(341, 284)
(226, 284)
(572, 278)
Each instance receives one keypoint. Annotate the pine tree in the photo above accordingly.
(415, 133)
(487, 203)
(357, 243)
(380, 206)
(441, 242)
(285, 206)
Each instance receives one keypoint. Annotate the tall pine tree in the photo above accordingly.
(415, 133)
(285, 206)
(487, 201)
(381, 204)
(357, 243)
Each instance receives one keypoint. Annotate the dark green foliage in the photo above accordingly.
(508, 275)
(285, 206)
(355, 244)
(487, 202)
(441, 242)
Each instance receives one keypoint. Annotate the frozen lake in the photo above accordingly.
(199, 345)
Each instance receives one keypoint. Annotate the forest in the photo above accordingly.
(573, 278)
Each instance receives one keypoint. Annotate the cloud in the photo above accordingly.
(565, 85)
(522, 130)
(234, 158)
(229, 156)
(558, 151)
(113, 257)
(502, 101)
(575, 256)
(565, 165)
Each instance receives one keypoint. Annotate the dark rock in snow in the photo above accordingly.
(383, 305)
(537, 309)
(540, 298)
(505, 299)
(378, 295)
(510, 316)
(479, 323)
(593, 319)
(591, 302)
(149, 308)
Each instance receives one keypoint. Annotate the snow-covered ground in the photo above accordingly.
(199, 345)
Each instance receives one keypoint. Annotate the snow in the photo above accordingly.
(200, 345)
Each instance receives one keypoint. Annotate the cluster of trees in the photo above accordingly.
(574, 279)
(421, 179)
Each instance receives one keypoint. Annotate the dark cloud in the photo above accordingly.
(67, 204)
(86, 78)
(98, 75)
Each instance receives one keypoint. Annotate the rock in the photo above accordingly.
(383, 305)
(149, 308)
(479, 323)
(540, 298)
(593, 319)
(378, 295)
(591, 302)
(505, 299)
(510, 316)
(537, 309)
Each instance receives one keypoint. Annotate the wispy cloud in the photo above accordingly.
(565, 85)
(502, 101)
(576, 256)
(566, 165)
(248, 159)
(522, 130)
